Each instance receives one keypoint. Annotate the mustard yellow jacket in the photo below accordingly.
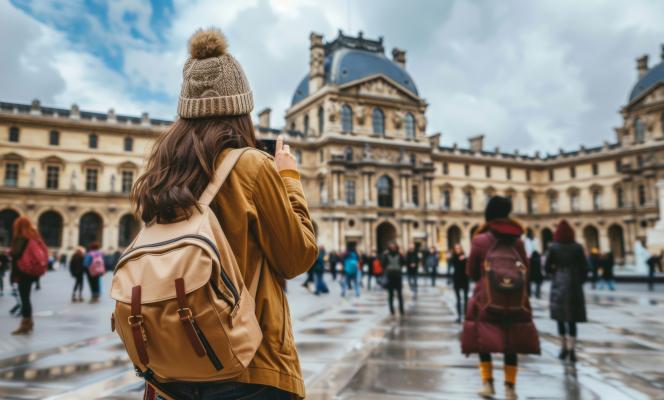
(265, 217)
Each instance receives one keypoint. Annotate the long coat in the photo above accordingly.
(485, 333)
(568, 266)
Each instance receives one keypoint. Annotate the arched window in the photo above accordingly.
(90, 229)
(128, 144)
(378, 121)
(410, 126)
(128, 228)
(93, 141)
(321, 120)
(346, 118)
(639, 131)
(385, 189)
(306, 125)
(348, 153)
(50, 227)
(54, 138)
(468, 200)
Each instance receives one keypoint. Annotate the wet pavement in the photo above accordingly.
(352, 349)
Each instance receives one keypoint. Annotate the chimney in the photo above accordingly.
(110, 116)
(316, 61)
(399, 57)
(476, 143)
(35, 107)
(642, 65)
(74, 112)
(264, 117)
(145, 119)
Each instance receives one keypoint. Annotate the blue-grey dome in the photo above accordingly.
(348, 59)
(650, 79)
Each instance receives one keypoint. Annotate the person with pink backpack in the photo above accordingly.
(29, 262)
(94, 267)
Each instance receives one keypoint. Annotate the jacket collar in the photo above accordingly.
(503, 227)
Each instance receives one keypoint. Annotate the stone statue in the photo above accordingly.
(366, 153)
(397, 118)
(332, 111)
(32, 177)
(113, 183)
(421, 122)
(72, 184)
(360, 114)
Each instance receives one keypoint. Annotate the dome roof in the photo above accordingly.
(650, 79)
(348, 59)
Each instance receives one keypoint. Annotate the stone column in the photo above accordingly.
(366, 196)
(404, 235)
(428, 183)
(335, 187)
(604, 244)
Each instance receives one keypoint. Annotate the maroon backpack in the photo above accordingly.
(34, 260)
(505, 280)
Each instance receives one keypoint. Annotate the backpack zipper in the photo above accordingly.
(224, 276)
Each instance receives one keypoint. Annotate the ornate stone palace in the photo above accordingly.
(371, 171)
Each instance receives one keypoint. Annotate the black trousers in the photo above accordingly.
(571, 328)
(394, 284)
(93, 281)
(78, 285)
(457, 291)
(510, 359)
(24, 288)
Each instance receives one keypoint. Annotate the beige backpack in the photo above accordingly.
(182, 309)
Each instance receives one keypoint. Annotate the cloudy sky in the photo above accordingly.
(530, 75)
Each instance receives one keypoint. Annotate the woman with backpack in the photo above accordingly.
(460, 280)
(352, 273)
(77, 270)
(29, 260)
(260, 208)
(499, 317)
(568, 266)
(392, 262)
(94, 268)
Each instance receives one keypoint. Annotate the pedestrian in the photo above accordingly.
(377, 270)
(333, 260)
(594, 264)
(310, 278)
(499, 316)
(567, 265)
(319, 271)
(77, 270)
(412, 260)
(535, 273)
(393, 262)
(432, 261)
(352, 276)
(4, 266)
(261, 203)
(29, 261)
(607, 279)
(94, 265)
(460, 280)
(654, 264)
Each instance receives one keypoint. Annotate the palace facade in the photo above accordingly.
(371, 170)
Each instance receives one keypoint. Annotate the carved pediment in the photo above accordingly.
(378, 86)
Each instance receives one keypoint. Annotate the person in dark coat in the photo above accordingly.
(567, 265)
(485, 332)
(535, 273)
(77, 270)
(413, 261)
(392, 262)
(594, 264)
(607, 279)
(4, 266)
(333, 260)
(460, 279)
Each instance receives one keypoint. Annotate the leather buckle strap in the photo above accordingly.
(187, 318)
(137, 328)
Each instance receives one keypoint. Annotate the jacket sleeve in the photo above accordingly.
(548, 264)
(284, 229)
(474, 261)
(583, 265)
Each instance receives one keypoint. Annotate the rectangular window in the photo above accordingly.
(52, 177)
(14, 134)
(487, 171)
(529, 203)
(11, 174)
(618, 165)
(446, 199)
(597, 201)
(595, 169)
(93, 141)
(415, 195)
(620, 200)
(642, 195)
(572, 172)
(54, 138)
(551, 175)
(127, 181)
(350, 192)
(468, 200)
(528, 175)
(553, 204)
(446, 168)
(508, 173)
(574, 202)
(466, 170)
(91, 175)
(128, 144)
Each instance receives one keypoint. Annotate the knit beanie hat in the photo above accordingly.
(213, 83)
(498, 207)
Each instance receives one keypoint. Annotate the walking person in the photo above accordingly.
(432, 260)
(319, 271)
(412, 262)
(607, 279)
(499, 317)
(29, 261)
(594, 261)
(536, 276)
(654, 264)
(393, 262)
(460, 280)
(4, 267)
(567, 265)
(261, 201)
(77, 270)
(352, 276)
(95, 267)
(376, 270)
(333, 260)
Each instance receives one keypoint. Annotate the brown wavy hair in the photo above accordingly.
(182, 163)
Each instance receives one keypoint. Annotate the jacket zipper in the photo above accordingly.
(224, 276)
(208, 349)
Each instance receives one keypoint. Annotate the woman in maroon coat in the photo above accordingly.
(485, 332)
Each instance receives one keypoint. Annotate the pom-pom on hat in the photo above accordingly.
(213, 82)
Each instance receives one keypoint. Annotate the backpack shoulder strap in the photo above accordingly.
(253, 287)
(220, 175)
